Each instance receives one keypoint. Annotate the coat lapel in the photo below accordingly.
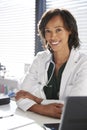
(73, 59)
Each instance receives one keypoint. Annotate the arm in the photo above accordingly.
(52, 109)
(25, 94)
(29, 100)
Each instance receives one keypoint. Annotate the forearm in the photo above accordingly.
(37, 108)
(34, 98)
(41, 109)
(37, 100)
(25, 94)
(52, 110)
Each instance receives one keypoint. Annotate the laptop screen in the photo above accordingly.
(74, 115)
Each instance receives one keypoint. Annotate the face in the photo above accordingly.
(56, 35)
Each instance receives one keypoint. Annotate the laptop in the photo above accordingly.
(74, 115)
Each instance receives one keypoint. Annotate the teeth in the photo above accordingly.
(54, 43)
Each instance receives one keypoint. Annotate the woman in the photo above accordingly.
(58, 71)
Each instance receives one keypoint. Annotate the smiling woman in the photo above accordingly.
(58, 71)
(56, 34)
(79, 9)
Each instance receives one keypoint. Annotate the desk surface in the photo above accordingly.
(40, 119)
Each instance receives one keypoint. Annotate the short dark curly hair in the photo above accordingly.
(69, 23)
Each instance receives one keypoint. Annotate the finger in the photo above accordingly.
(58, 105)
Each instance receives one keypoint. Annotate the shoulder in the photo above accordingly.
(82, 55)
(40, 60)
(78, 55)
(44, 55)
(82, 58)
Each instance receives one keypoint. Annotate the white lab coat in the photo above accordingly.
(73, 81)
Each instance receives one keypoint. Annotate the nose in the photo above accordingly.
(53, 35)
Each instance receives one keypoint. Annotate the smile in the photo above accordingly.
(55, 43)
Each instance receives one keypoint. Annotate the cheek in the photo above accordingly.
(66, 37)
(47, 38)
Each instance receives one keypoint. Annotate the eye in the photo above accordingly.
(58, 30)
(47, 31)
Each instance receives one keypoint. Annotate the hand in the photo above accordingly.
(23, 94)
(26, 94)
(52, 110)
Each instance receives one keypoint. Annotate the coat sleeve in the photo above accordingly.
(25, 104)
(31, 84)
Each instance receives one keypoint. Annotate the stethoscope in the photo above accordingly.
(49, 48)
(51, 73)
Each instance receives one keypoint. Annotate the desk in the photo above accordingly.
(39, 119)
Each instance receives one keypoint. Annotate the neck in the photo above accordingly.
(61, 57)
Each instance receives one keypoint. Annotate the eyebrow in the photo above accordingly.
(56, 27)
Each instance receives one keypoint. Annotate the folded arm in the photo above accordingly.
(52, 109)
